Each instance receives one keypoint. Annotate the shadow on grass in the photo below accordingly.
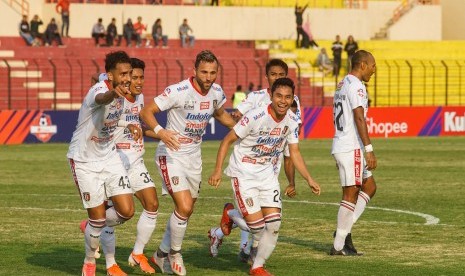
(323, 247)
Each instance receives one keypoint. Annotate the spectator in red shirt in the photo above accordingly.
(139, 28)
(62, 8)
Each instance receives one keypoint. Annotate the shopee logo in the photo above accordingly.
(386, 128)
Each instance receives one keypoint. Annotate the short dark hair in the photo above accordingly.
(137, 63)
(359, 57)
(113, 58)
(205, 56)
(283, 82)
(276, 62)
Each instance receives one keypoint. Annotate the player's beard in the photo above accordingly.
(204, 86)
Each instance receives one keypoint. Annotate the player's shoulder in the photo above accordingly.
(256, 114)
(217, 88)
(259, 92)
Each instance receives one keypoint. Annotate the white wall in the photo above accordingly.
(239, 23)
(421, 23)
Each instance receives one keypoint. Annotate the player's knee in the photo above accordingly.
(185, 210)
(273, 222)
(256, 226)
(151, 206)
(126, 214)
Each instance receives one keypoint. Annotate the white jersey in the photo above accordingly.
(130, 150)
(93, 138)
(188, 113)
(261, 143)
(350, 94)
(262, 98)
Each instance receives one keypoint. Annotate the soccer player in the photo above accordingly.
(96, 166)
(261, 136)
(350, 139)
(131, 152)
(275, 69)
(189, 104)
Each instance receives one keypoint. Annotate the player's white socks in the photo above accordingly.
(268, 240)
(362, 202)
(237, 218)
(256, 228)
(245, 243)
(218, 233)
(108, 242)
(345, 220)
(166, 241)
(114, 218)
(145, 226)
(91, 238)
(178, 225)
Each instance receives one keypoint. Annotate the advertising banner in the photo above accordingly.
(36, 126)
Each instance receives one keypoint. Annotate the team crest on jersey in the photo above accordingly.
(175, 180)
(204, 105)
(249, 202)
(285, 129)
(276, 131)
(86, 196)
(189, 105)
(215, 104)
(135, 110)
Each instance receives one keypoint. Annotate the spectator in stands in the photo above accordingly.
(215, 3)
(299, 11)
(112, 33)
(128, 32)
(62, 8)
(323, 62)
(185, 33)
(51, 34)
(139, 29)
(25, 31)
(337, 53)
(238, 96)
(351, 47)
(35, 23)
(98, 31)
(250, 88)
(157, 34)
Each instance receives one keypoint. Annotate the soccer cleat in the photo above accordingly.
(82, 227)
(350, 245)
(163, 263)
(259, 271)
(88, 269)
(115, 270)
(226, 222)
(141, 261)
(243, 257)
(215, 242)
(343, 252)
(177, 264)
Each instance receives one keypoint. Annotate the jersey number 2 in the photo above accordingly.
(337, 117)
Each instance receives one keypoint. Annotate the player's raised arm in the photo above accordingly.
(166, 135)
(229, 139)
(299, 163)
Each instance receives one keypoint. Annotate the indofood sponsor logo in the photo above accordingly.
(43, 129)
(453, 122)
(386, 128)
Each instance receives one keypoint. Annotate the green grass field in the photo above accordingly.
(419, 180)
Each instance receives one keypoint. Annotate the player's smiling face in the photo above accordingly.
(137, 81)
(121, 75)
(205, 75)
(281, 100)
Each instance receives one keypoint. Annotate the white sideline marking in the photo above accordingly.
(430, 220)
